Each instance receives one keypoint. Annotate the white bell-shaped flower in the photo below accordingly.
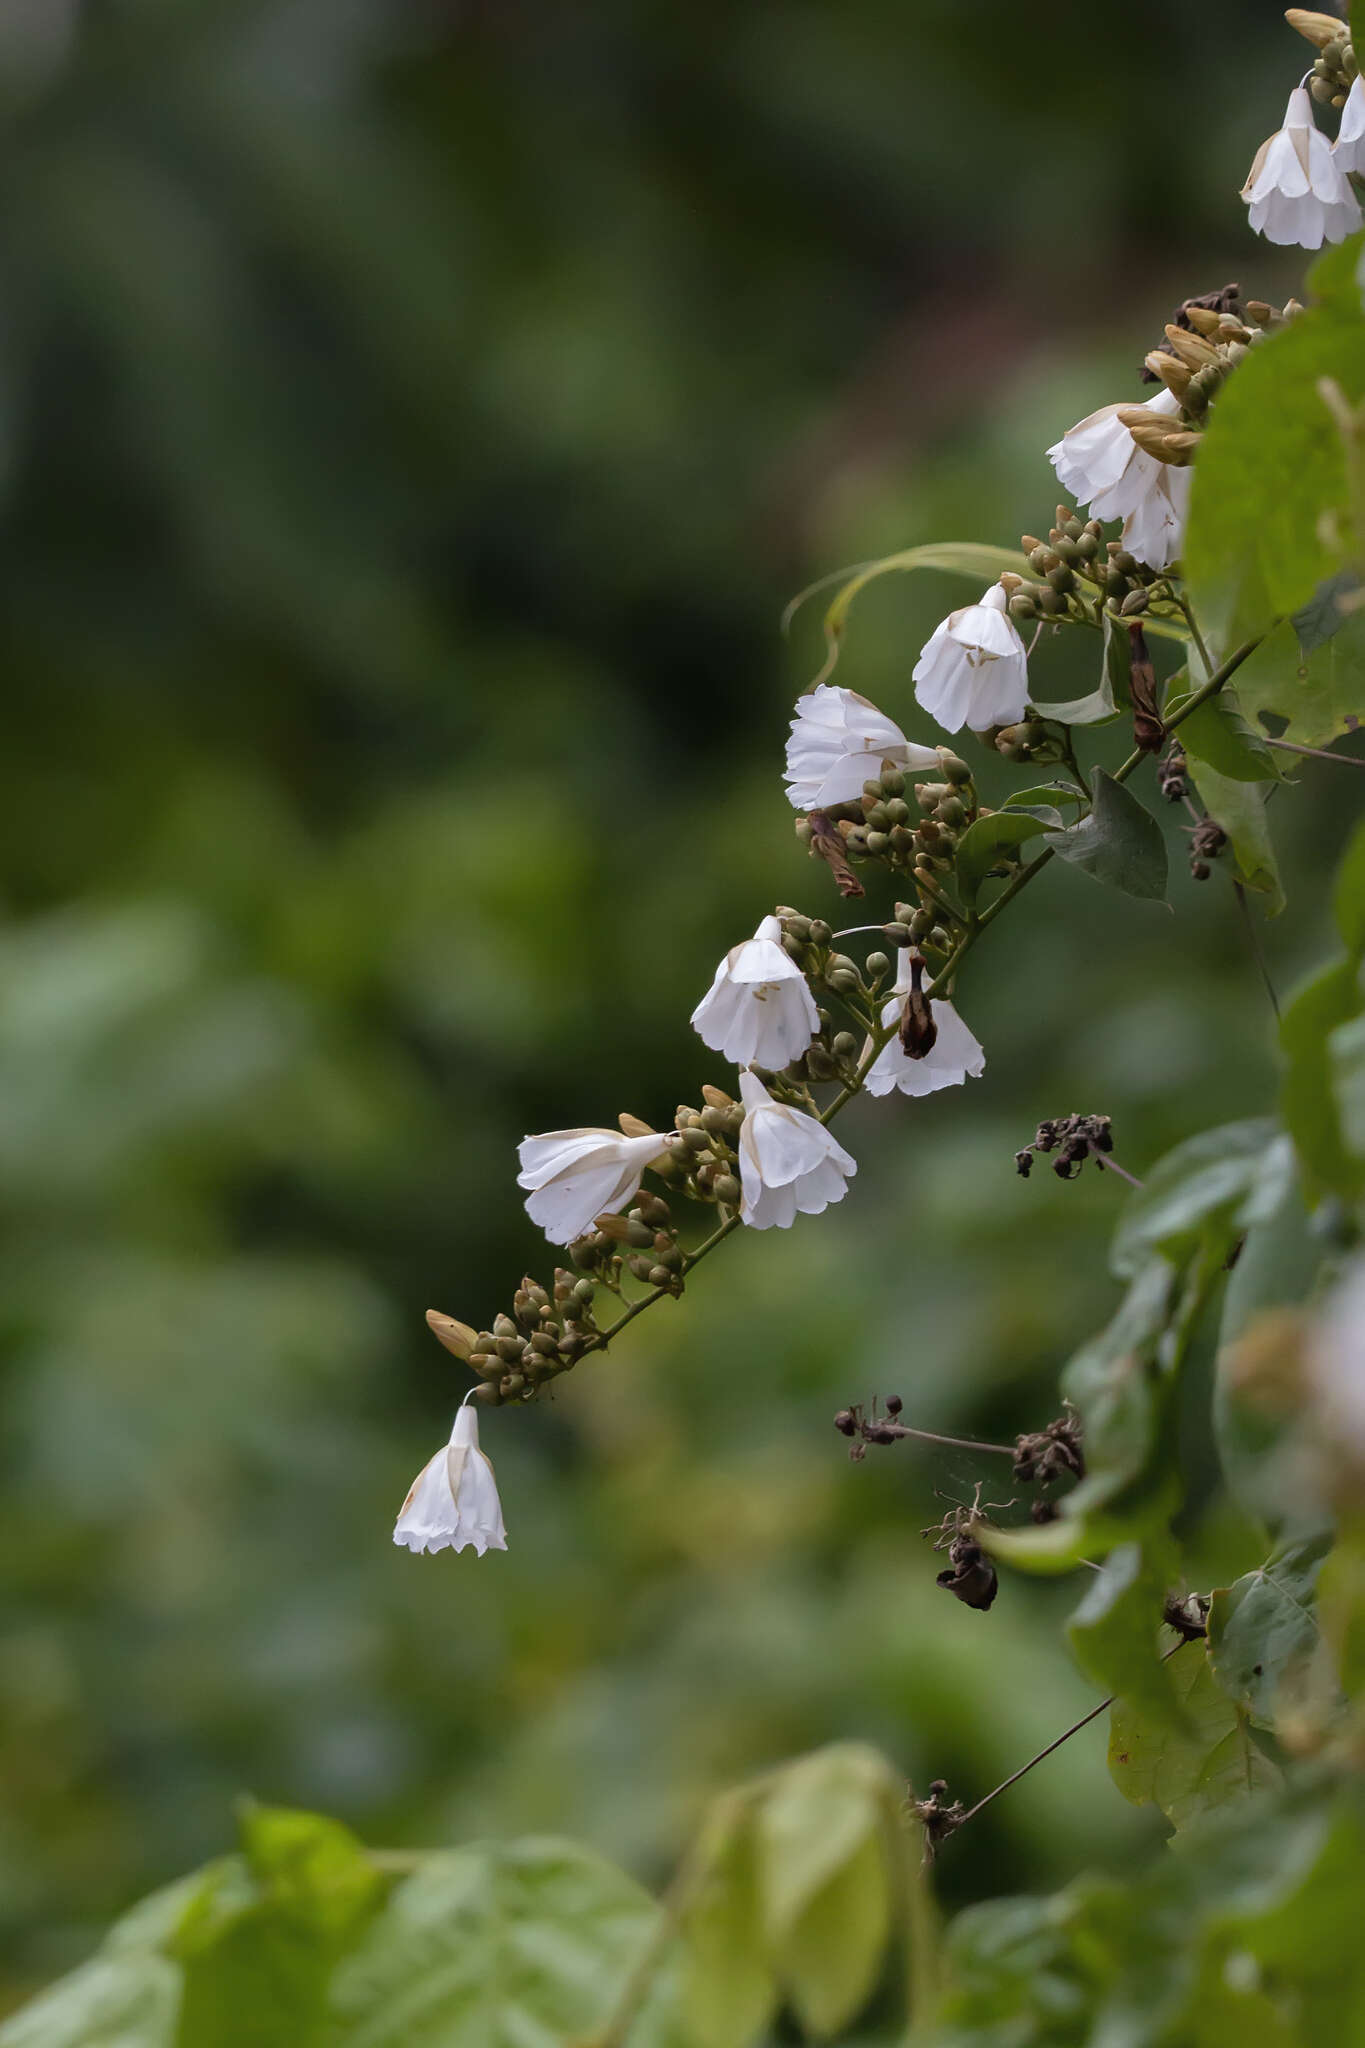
(1296, 190)
(1100, 463)
(453, 1501)
(758, 1010)
(576, 1176)
(838, 742)
(787, 1161)
(974, 670)
(1349, 147)
(954, 1055)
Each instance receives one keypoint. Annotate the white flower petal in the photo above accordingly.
(787, 1161)
(973, 669)
(453, 1501)
(1297, 191)
(838, 742)
(759, 1008)
(576, 1176)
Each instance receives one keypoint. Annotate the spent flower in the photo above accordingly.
(954, 1054)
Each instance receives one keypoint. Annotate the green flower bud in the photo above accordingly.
(845, 1044)
(931, 794)
(694, 1138)
(726, 1189)
(804, 831)
(503, 1326)
(898, 810)
(659, 1276)
(893, 782)
(796, 926)
(1115, 582)
(509, 1349)
(1135, 602)
(486, 1363)
(1022, 606)
(1041, 559)
(938, 939)
(1062, 579)
(921, 924)
(843, 981)
(877, 844)
(877, 965)
(877, 817)
(955, 769)
(820, 1065)
(640, 1266)
(583, 1290)
(952, 811)
(1051, 602)
(1087, 547)
(872, 792)
(545, 1345)
(820, 932)
(512, 1385)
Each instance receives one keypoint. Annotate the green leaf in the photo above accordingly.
(1207, 1190)
(126, 1996)
(1114, 1633)
(1341, 1608)
(825, 1880)
(1264, 1642)
(259, 1944)
(1270, 484)
(1188, 1770)
(1348, 896)
(1218, 735)
(1312, 700)
(1119, 843)
(988, 840)
(1325, 612)
(1240, 808)
(1113, 694)
(1346, 1059)
(495, 1946)
(1045, 793)
(1308, 1102)
(1255, 1407)
(728, 1992)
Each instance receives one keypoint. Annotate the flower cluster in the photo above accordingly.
(1298, 191)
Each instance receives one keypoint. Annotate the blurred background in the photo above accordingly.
(413, 418)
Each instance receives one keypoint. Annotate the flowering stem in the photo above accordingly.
(1109, 1165)
(955, 1443)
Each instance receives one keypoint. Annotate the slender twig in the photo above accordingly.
(1065, 1736)
(956, 1443)
(1257, 948)
(1318, 753)
(1108, 1165)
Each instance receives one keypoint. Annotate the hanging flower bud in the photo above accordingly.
(454, 1499)
(1296, 190)
(576, 1176)
(1100, 463)
(1349, 147)
(974, 670)
(918, 1031)
(758, 1009)
(837, 741)
(787, 1161)
(952, 1057)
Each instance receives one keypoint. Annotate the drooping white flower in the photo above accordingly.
(1100, 463)
(838, 742)
(1336, 1364)
(453, 1501)
(576, 1176)
(1349, 147)
(954, 1055)
(787, 1161)
(758, 1010)
(973, 670)
(1296, 190)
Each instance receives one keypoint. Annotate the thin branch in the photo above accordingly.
(956, 1443)
(1318, 753)
(1066, 1736)
(1108, 1165)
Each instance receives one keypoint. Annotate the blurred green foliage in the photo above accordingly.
(412, 420)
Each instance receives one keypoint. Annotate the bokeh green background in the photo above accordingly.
(413, 418)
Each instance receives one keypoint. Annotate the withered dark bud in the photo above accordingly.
(1148, 731)
(1228, 300)
(1023, 1163)
(845, 1423)
(918, 1032)
(1186, 1616)
(1170, 773)
(894, 1404)
(971, 1577)
(826, 842)
(1044, 1511)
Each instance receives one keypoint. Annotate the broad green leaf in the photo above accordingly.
(1240, 808)
(1044, 794)
(259, 1946)
(825, 1880)
(1348, 895)
(1270, 492)
(728, 1993)
(1346, 1056)
(1188, 1770)
(1119, 843)
(988, 840)
(126, 1996)
(1218, 735)
(836, 1950)
(1113, 694)
(1256, 1396)
(1308, 1102)
(1325, 612)
(1334, 277)
(1264, 1642)
(1114, 1632)
(495, 1946)
(1311, 699)
(1341, 1608)
(1210, 1187)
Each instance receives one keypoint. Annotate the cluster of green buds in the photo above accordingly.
(910, 829)
(705, 1166)
(1334, 71)
(1194, 363)
(548, 1331)
(1079, 572)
